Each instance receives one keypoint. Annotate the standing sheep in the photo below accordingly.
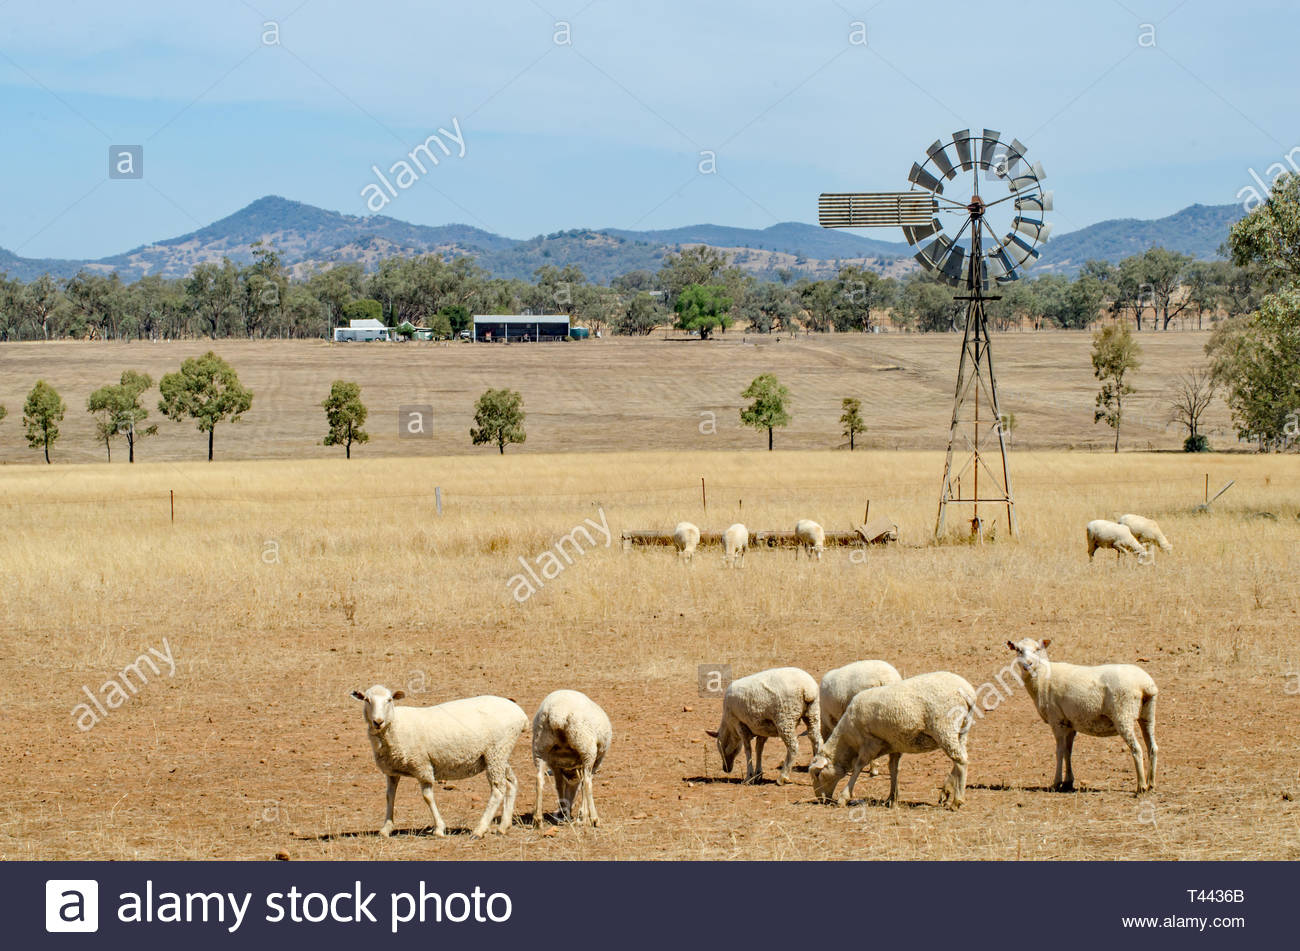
(769, 703)
(1147, 531)
(453, 740)
(686, 538)
(841, 685)
(1095, 701)
(735, 542)
(928, 712)
(571, 735)
(1104, 534)
(811, 538)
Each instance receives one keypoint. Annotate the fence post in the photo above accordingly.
(437, 498)
(172, 495)
(704, 498)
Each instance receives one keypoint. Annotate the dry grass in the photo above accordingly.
(613, 394)
(284, 584)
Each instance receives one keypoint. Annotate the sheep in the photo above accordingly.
(571, 735)
(453, 740)
(686, 538)
(1104, 534)
(1094, 701)
(841, 685)
(765, 704)
(1147, 532)
(917, 715)
(811, 538)
(735, 541)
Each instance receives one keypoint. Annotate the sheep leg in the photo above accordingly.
(747, 737)
(1147, 721)
(1063, 743)
(493, 804)
(508, 807)
(853, 778)
(1130, 740)
(893, 779)
(589, 799)
(541, 781)
(791, 740)
(426, 790)
(759, 743)
(387, 828)
(953, 793)
(1069, 758)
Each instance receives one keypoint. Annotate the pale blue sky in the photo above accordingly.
(606, 131)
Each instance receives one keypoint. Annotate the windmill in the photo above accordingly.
(967, 261)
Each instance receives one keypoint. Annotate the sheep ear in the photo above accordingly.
(1046, 641)
(399, 694)
(1012, 646)
(358, 694)
(712, 733)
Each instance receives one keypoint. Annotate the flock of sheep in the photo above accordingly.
(857, 714)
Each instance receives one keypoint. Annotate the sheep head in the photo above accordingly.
(728, 746)
(1030, 654)
(824, 776)
(378, 702)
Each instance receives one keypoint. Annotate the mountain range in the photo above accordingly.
(307, 237)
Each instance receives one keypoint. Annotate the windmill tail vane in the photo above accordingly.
(976, 258)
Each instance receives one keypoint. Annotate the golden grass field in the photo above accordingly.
(284, 583)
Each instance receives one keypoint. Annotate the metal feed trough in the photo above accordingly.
(879, 531)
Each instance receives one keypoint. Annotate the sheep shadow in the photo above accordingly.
(731, 780)
(1009, 787)
(868, 802)
(424, 832)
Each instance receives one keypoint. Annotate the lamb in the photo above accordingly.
(1094, 701)
(1104, 534)
(1148, 532)
(765, 704)
(571, 735)
(735, 542)
(686, 537)
(453, 740)
(811, 537)
(917, 715)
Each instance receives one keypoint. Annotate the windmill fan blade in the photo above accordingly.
(915, 235)
(1032, 178)
(1017, 149)
(875, 209)
(962, 141)
(934, 252)
(1035, 229)
(919, 176)
(1038, 203)
(940, 158)
(1003, 262)
(1030, 252)
(988, 148)
(952, 265)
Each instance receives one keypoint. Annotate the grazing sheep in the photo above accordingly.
(811, 537)
(571, 735)
(686, 537)
(1147, 532)
(1104, 534)
(1094, 701)
(841, 685)
(917, 715)
(769, 703)
(453, 740)
(735, 541)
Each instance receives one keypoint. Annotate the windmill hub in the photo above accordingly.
(974, 258)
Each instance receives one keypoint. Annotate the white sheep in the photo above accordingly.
(811, 538)
(735, 542)
(453, 740)
(1095, 701)
(571, 735)
(686, 538)
(841, 685)
(1147, 531)
(765, 704)
(1105, 534)
(917, 715)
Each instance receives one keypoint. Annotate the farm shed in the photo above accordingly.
(493, 327)
(366, 329)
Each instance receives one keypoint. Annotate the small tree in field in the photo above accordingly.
(346, 414)
(768, 409)
(703, 308)
(120, 413)
(1114, 356)
(42, 414)
(851, 419)
(207, 390)
(498, 418)
(1193, 394)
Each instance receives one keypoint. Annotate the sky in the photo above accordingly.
(607, 113)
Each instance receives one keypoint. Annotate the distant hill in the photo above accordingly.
(308, 236)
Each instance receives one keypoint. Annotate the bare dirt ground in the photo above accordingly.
(281, 586)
